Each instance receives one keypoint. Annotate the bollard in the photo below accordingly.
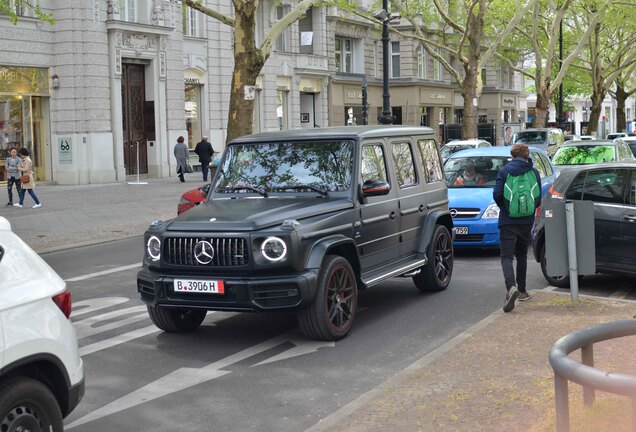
(571, 237)
(587, 358)
(562, 403)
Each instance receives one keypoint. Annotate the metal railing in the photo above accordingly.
(584, 373)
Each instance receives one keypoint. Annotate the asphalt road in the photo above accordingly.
(246, 371)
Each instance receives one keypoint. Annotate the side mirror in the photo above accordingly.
(375, 187)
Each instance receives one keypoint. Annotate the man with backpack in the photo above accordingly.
(517, 192)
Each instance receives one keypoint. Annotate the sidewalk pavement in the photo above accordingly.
(493, 377)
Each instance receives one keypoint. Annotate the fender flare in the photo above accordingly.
(322, 247)
(435, 217)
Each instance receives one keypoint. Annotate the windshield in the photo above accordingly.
(448, 150)
(583, 155)
(324, 166)
(530, 137)
(632, 145)
(475, 171)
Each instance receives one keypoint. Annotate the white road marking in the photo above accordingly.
(184, 378)
(102, 273)
(117, 340)
(86, 327)
(91, 305)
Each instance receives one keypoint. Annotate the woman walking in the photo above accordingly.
(25, 167)
(182, 154)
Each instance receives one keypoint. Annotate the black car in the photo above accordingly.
(301, 220)
(612, 188)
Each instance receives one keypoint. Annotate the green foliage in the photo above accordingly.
(13, 9)
(583, 155)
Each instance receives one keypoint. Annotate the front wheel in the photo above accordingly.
(330, 316)
(436, 275)
(176, 320)
(28, 405)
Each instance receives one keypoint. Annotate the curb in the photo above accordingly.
(82, 244)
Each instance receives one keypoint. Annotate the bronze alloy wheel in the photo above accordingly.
(340, 297)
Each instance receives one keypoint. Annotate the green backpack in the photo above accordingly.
(520, 192)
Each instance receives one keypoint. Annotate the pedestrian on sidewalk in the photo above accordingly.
(517, 192)
(13, 174)
(26, 169)
(182, 154)
(205, 151)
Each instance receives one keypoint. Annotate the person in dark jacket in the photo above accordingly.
(205, 151)
(514, 233)
(182, 154)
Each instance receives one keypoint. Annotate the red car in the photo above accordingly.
(192, 198)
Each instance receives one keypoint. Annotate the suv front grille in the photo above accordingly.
(227, 251)
(464, 213)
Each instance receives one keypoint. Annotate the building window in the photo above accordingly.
(395, 59)
(306, 30)
(344, 55)
(193, 113)
(483, 77)
(128, 10)
(282, 109)
(21, 9)
(437, 67)
(421, 62)
(282, 41)
(424, 116)
(191, 21)
(376, 73)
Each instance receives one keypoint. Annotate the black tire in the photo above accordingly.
(557, 281)
(176, 320)
(27, 404)
(436, 275)
(330, 316)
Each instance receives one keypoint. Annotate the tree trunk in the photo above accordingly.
(595, 113)
(621, 96)
(541, 108)
(471, 86)
(469, 124)
(248, 62)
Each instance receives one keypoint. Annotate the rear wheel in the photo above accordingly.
(176, 320)
(436, 275)
(28, 405)
(557, 281)
(331, 315)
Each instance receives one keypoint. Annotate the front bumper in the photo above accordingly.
(242, 293)
(481, 233)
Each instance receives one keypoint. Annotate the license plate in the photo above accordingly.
(195, 286)
(461, 230)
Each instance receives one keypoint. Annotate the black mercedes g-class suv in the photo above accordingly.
(302, 220)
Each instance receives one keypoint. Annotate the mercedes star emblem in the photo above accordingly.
(453, 212)
(203, 252)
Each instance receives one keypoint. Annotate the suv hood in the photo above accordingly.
(249, 214)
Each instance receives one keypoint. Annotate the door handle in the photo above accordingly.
(393, 215)
(629, 218)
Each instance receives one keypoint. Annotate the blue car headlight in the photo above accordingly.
(492, 212)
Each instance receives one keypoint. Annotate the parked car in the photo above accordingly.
(475, 214)
(541, 138)
(612, 188)
(192, 198)
(571, 137)
(300, 220)
(587, 138)
(586, 152)
(631, 142)
(615, 135)
(459, 145)
(41, 372)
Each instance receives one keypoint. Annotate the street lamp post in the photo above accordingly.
(384, 16)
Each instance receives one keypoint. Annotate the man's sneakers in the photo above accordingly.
(524, 296)
(38, 205)
(511, 297)
(17, 205)
(9, 204)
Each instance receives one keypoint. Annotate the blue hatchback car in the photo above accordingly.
(471, 176)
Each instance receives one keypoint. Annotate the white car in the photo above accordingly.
(41, 372)
(617, 135)
(459, 145)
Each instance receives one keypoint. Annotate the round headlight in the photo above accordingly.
(153, 247)
(274, 249)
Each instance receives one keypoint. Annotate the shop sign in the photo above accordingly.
(437, 97)
(192, 81)
(64, 150)
(24, 80)
(353, 94)
(508, 101)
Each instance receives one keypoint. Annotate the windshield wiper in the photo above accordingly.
(262, 192)
(321, 191)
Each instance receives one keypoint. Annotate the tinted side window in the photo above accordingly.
(632, 189)
(546, 164)
(538, 164)
(430, 161)
(404, 168)
(373, 163)
(575, 190)
(605, 186)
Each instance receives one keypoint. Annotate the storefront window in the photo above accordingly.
(15, 126)
(193, 113)
(282, 110)
(424, 116)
